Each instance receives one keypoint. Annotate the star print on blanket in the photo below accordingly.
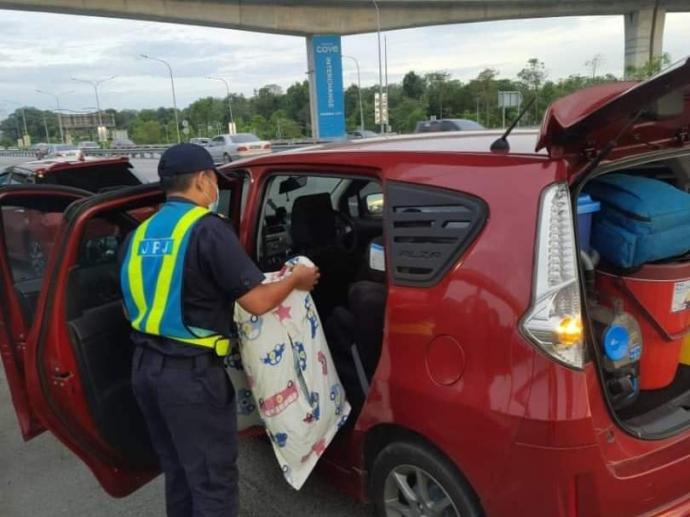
(297, 391)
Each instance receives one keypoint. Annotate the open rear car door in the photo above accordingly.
(621, 118)
(78, 358)
(29, 217)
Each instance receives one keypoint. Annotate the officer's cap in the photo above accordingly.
(184, 159)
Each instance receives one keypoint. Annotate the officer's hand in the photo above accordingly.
(305, 277)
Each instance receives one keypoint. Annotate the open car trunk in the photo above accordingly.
(634, 244)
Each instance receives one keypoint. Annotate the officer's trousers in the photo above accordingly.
(188, 405)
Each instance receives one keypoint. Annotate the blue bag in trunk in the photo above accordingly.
(641, 220)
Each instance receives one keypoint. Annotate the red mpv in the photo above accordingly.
(455, 296)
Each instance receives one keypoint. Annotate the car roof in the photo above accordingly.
(521, 142)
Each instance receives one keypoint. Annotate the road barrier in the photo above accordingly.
(154, 151)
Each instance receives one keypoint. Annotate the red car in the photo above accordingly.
(471, 353)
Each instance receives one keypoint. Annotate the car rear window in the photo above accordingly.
(94, 178)
(243, 138)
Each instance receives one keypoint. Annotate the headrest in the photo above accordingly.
(313, 220)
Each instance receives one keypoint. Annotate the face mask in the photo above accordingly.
(213, 207)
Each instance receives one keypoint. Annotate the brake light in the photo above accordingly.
(267, 146)
(554, 321)
(241, 148)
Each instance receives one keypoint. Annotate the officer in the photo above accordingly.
(182, 271)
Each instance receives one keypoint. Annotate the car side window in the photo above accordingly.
(447, 125)
(28, 228)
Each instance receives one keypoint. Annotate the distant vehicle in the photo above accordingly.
(122, 143)
(86, 144)
(228, 148)
(447, 124)
(67, 151)
(40, 149)
(203, 142)
(361, 133)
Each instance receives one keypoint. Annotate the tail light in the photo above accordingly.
(267, 146)
(554, 321)
(241, 148)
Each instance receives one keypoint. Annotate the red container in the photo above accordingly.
(658, 296)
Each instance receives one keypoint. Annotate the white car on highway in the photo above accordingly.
(228, 148)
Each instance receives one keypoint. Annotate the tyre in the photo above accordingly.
(226, 158)
(413, 480)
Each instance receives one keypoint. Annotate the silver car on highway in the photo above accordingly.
(228, 148)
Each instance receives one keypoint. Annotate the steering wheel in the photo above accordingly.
(346, 232)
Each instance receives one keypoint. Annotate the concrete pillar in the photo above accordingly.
(644, 35)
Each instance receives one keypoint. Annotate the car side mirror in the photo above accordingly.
(374, 204)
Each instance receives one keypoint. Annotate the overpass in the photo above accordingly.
(644, 19)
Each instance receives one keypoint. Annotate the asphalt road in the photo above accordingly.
(42, 477)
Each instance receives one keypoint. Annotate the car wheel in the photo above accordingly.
(411, 480)
(226, 158)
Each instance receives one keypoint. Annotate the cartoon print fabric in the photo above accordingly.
(289, 369)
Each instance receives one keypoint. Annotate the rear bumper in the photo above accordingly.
(577, 482)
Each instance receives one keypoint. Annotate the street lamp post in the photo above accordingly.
(95, 85)
(359, 90)
(378, 32)
(57, 101)
(172, 85)
(227, 89)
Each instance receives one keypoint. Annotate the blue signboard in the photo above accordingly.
(328, 75)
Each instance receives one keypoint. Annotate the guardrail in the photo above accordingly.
(154, 151)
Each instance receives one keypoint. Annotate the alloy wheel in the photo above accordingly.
(412, 492)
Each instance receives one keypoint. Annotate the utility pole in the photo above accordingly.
(172, 86)
(95, 85)
(45, 125)
(378, 32)
(227, 89)
(57, 101)
(385, 50)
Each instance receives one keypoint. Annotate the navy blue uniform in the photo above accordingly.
(183, 391)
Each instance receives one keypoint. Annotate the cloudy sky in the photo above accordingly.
(95, 48)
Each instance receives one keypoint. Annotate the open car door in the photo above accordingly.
(79, 355)
(29, 217)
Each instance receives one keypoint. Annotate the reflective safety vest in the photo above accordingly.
(152, 277)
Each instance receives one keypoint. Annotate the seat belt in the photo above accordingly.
(359, 367)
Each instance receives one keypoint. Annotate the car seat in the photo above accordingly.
(355, 331)
(314, 234)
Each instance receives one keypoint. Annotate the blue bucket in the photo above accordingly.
(586, 206)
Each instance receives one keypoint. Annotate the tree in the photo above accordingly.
(296, 103)
(483, 91)
(594, 63)
(435, 89)
(651, 67)
(533, 76)
(413, 85)
(147, 132)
